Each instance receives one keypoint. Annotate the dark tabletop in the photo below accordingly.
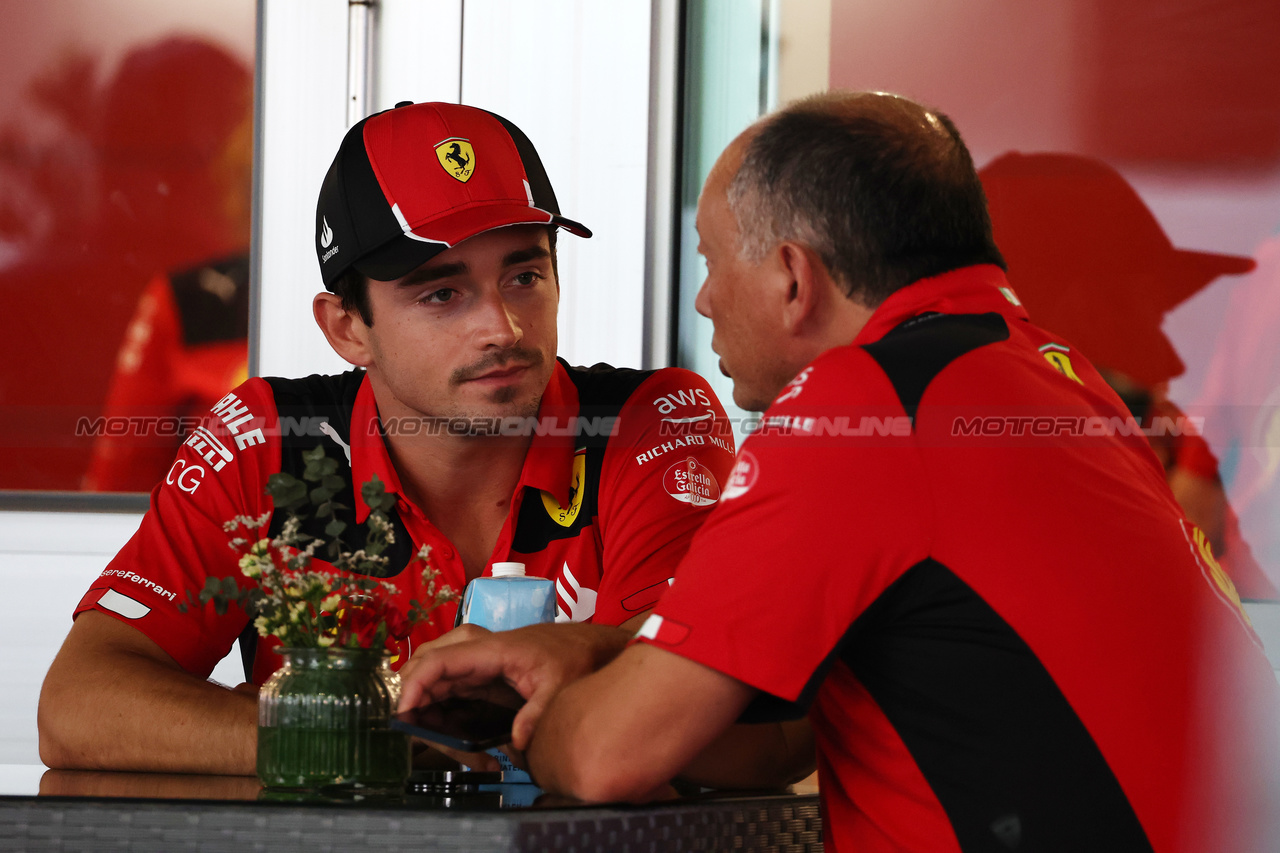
(82, 810)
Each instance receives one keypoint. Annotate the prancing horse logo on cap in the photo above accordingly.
(457, 158)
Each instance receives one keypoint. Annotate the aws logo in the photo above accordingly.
(566, 516)
(457, 157)
(668, 403)
(1056, 354)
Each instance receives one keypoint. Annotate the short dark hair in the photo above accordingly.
(881, 188)
(352, 287)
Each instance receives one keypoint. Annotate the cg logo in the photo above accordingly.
(188, 478)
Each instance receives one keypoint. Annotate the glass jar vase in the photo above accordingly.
(322, 723)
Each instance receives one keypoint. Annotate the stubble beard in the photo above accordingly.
(506, 402)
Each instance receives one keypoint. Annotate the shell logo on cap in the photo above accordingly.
(457, 157)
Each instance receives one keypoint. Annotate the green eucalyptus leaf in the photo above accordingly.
(374, 492)
(286, 490)
(333, 483)
(335, 527)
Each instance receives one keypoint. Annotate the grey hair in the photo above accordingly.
(880, 188)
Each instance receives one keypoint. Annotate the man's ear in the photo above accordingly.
(808, 279)
(345, 331)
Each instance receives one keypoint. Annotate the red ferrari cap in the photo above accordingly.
(1090, 262)
(410, 182)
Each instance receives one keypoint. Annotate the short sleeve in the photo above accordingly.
(219, 473)
(662, 474)
(823, 510)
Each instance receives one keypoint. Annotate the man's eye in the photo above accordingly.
(437, 296)
(527, 278)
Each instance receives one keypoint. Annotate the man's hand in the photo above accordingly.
(536, 662)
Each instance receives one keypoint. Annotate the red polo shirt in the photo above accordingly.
(606, 504)
(1004, 631)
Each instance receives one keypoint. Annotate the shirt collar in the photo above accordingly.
(970, 290)
(548, 466)
(369, 450)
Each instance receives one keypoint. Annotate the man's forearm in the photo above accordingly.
(624, 732)
(764, 755)
(113, 701)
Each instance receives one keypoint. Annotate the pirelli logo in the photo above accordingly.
(206, 444)
(235, 415)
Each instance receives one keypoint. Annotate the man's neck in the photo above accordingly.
(444, 473)
(462, 484)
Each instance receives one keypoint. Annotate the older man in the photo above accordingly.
(1003, 630)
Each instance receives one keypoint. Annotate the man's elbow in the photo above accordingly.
(56, 739)
(593, 771)
(615, 782)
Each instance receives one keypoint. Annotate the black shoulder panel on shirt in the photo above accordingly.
(303, 406)
(602, 392)
(996, 740)
(913, 353)
(213, 301)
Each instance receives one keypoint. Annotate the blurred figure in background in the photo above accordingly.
(1242, 392)
(134, 299)
(1090, 262)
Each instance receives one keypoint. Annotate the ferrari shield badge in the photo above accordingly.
(457, 158)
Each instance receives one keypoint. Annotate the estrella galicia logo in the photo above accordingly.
(457, 157)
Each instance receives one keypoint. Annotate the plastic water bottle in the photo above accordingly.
(508, 599)
(505, 601)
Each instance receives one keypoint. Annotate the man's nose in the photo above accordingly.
(702, 302)
(498, 324)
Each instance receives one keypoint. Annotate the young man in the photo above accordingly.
(435, 233)
(1005, 638)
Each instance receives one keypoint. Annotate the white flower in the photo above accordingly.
(325, 640)
(251, 566)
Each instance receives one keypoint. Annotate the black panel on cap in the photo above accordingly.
(397, 257)
(352, 202)
(544, 197)
(539, 184)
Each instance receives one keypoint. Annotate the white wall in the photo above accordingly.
(573, 74)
